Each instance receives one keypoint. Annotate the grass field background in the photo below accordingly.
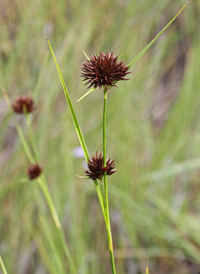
(153, 133)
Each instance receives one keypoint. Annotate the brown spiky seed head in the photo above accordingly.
(34, 171)
(103, 70)
(21, 103)
(96, 168)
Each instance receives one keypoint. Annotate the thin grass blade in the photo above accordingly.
(87, 93)
(40, 78)
(153, 41)
(85, 54)
(2, 266)
(173, 170)
(48, 235)
(82, 177)
(78, 129)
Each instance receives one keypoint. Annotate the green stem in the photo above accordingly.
(104, 156)
(2, 266)
(24, 143)
(109, 233)
(147, 267)
(102, 191)
(43, 185)
(47, 232)
(101, 201)
(32, 138)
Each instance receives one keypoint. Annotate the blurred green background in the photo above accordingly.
(153, 133)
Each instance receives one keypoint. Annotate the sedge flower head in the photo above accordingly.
(96, 168)
(23, 103)
(103, 70)
(34, 171)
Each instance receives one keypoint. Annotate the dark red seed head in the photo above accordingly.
(23, 103)
(103, 70)
(34, 171)
(96, 168)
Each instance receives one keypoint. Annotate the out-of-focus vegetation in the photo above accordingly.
(153, 133)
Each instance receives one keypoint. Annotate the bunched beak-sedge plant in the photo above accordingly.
(24, 105)
(101, 71)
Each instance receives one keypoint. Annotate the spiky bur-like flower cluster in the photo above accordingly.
(96, 168)
(103, 70)
(34, 171)
(23, 103)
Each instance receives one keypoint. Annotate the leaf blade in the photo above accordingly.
(78, 129)
(157, 36)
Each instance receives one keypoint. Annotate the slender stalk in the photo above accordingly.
(24, 143)
(45, 190)
(52, 245)
(101, 201)
(2, 266)
(147, 267)
(102, 191)
(32, 138)
(104, 154)
(109, 233)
